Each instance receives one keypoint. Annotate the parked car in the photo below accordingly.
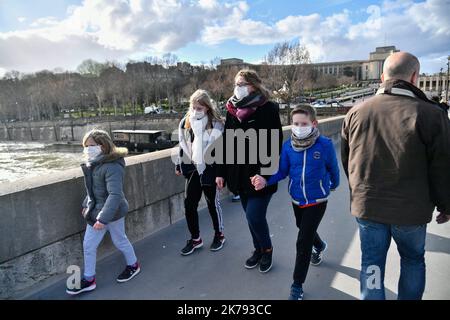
(153, 110)
(337, 105)
(334, 103)
(319, 104)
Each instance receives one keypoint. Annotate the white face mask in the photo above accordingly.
(302, 132)
(92, 152)
(241, 92)
(198, 115)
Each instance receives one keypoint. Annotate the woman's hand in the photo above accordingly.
(220, 182)
(177, 172)
(99, 226)
(258, 182)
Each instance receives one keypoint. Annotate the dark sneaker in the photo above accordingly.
(217, 244)
(85, 286)
(129, 273)
(317, 254)
(253, 261)
(191, 246)
(266, 262)
(296, 292)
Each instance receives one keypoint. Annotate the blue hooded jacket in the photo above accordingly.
(312, 172)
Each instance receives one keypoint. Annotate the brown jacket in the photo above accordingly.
(396, 154)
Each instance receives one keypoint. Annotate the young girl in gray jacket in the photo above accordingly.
(104, 207)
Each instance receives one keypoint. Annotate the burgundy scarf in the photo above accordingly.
(244, 108)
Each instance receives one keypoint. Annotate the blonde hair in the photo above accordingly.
(103, 139)
(252, 78)
(202, 97)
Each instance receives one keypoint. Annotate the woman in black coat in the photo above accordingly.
(251, 110)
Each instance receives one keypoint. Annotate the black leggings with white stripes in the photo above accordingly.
(193, 194)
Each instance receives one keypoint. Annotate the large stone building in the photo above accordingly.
(233, 62)
(434, 85)
(360, 70)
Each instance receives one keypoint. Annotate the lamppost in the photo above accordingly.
(18, 111)
(448, 78)
(82, 106)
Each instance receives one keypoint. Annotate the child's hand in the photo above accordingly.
(258, 182)
(99, 226)
(220, 182)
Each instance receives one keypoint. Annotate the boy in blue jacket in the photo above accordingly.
(310, 161)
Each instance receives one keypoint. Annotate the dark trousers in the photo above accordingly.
(193, 194)
(307, 220)
(255, 211)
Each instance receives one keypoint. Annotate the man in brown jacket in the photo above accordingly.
(396, 155)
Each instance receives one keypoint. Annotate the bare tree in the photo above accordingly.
(169, 60)
(91, 67)
(114, 79)
(220, 83)
(92, 70)
(287, 68)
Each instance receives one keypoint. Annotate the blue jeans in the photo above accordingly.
(375, 241)
(255, 210)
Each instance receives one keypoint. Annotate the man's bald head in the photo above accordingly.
(403, 66)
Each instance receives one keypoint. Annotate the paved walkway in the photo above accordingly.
(221, 275)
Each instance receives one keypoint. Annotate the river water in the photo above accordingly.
(20, 160)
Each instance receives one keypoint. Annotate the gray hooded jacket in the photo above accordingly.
(105, 201)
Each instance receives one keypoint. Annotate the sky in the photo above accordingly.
(50, 34)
